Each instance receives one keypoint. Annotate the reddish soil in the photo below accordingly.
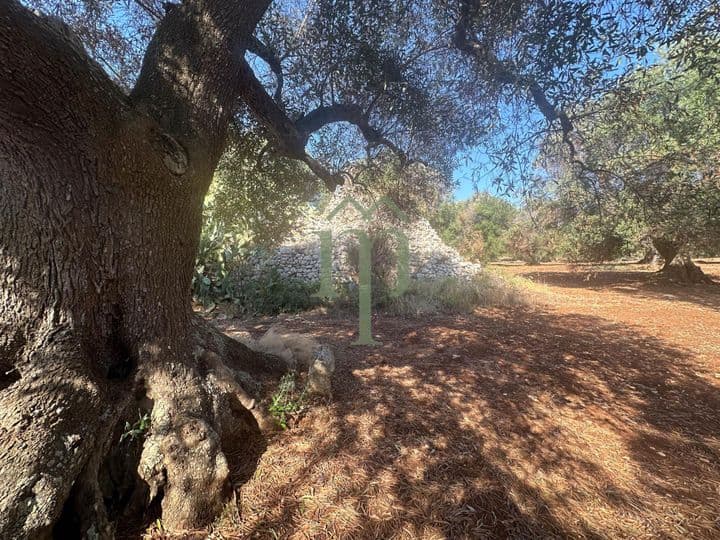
(593, 413)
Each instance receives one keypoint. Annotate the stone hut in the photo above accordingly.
(298, 256)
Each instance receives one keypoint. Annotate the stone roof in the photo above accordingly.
(298, 256)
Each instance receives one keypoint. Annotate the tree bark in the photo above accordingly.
(684, 270)
(101, 196)
(649, 256)
(676, 267)
(667, 249)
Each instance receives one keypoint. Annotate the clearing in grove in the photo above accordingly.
(592, 413)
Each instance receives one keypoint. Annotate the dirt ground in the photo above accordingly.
(593, 413)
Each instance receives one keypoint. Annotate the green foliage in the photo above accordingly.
(383, 269)
(587, 238)
(138, 429)
(416, 189)
(221, 277)
(525, 242)
(492, 217)
(287, 402)
(477, 227)
(444, 221)
(270, 293)
(646, 169)
(218, 251)
(258, 201)
(547, 230)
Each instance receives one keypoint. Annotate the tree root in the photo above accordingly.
(683, 270)
(236, 354)
(60, 443)
(51, 425)
(202, 410)
(182, 457)
(199, 415)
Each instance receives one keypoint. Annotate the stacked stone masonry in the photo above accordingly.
(298, 256)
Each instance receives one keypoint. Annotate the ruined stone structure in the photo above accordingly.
(299, 255)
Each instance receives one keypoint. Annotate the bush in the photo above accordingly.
(476, 227)
(220, 277)
(526, 243)
(218, 252)
(287, 402)
(270, 293)
(587, 239)
(383, 269)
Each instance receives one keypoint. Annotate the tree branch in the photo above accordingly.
(353, 114)
(194, 71)
(149, 9)
(190, 72)
(506, 72)
(292, 137)
(287, 138)
(264, 52)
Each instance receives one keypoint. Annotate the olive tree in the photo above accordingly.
(113, 119)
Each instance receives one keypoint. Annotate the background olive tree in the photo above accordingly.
(647, 170)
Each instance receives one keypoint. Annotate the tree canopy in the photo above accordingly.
(332, 81)
(648, 168)
(477, 227)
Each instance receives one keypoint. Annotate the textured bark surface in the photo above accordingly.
(667, 249)
(101, 197)
(683, 270)
(677, 267)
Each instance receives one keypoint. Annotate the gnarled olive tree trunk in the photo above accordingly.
(667, 249)
(100, 200)
(676, 266)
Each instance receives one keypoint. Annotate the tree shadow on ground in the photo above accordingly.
(510, 423)
(640, 284)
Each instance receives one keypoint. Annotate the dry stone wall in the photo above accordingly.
(298, 256)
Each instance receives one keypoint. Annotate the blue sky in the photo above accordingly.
(476, 173)
(464, 176)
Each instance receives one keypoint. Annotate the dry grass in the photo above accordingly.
(453, 295)
(593, 417)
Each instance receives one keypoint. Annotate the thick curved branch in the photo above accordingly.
(292, 137)
(327, 114)
(190, 74)
(353, 114)
(266, 111)
(505, 72)
(235, 353)
(287, 138)
(258, 48)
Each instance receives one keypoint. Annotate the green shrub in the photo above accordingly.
(218, 251)
(531, 243)
(587, 239)
(220, 277)
(138, 430)
(270, 293)
(476, 227)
